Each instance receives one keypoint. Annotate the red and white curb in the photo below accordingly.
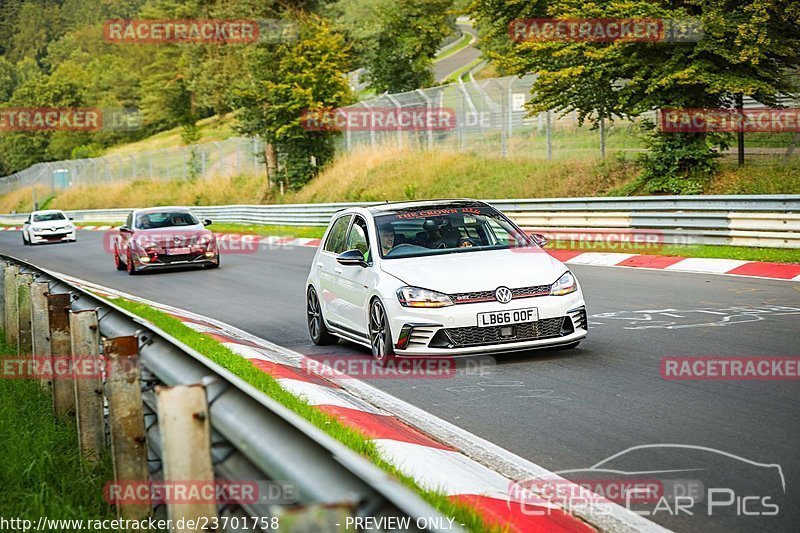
(437, 454)
(730, 267)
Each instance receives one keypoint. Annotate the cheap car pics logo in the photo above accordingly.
(167, 242)
(380, 119)
(366, 367)
(648, 30)
(69, 119)
(676, 480)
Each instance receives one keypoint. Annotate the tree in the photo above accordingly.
(408, 39)
(283, 81)
(748, 48)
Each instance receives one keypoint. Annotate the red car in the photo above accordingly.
(164, 237)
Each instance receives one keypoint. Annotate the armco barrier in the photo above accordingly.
(768, 220)
(248, 437)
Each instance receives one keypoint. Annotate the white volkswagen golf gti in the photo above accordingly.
(440, 277)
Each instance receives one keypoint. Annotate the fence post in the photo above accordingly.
(88, 384)
(126, 420)
(186, 446)
(549, 136)
(3, 266)
(41, 328)
(61, 349)
(25, 342)
(504, 109)
(602, 137)
(10, 290)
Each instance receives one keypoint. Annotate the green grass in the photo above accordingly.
(351, 438)
(745, 253)
(463, 42)
(310, 232)
(777, 255)
(42, 473)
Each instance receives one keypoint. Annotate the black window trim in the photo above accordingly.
(346, 232)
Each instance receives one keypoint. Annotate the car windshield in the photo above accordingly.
(165, 219)
(442, 230)
(48, 217)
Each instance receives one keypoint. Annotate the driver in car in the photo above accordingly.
(387, 239)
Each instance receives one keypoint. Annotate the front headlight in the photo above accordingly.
(565, 285)
(37, 228)
(417, 297)
(204, 240)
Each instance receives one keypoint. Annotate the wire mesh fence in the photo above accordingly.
(490, 118)
(230, 157)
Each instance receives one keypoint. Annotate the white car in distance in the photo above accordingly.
(439, 277)
(48, 226)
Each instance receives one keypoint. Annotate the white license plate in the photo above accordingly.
(177, 251)
(504, 318)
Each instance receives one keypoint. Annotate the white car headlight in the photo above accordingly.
(37, 228)
(417, 297)
(565, 285)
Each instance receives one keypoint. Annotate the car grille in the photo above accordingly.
(177, 258)
(488, 296)
(475, 336)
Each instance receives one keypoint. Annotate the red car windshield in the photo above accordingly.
(166, 219)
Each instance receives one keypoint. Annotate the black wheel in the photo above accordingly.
(215, 265)
(24, 240)
(130, 267)
(117, 261)
(316, 324)
(380, 335)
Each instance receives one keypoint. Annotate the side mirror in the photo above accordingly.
(207, 222)
(352, 258)
(72, 218)
(539, 239)
(124, 229)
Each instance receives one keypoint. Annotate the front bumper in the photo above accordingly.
(158, 262)
(37, 237)
(454, 330)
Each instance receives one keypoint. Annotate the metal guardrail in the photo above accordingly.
(765, 220)
(255, 437)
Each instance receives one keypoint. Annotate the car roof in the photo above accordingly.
(442, 203)
(162, 209)
(45, 211)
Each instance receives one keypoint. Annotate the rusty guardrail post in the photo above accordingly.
(126, 420)
(10, 290)
(88, 382)
(25, 333)
(61, 350)
(186, 446)
(40, 324)
(3, 266)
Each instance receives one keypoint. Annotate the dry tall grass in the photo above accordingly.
(141, 193)
(399, 174)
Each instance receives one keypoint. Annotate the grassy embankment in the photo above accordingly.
(352, 438)
(42, 472)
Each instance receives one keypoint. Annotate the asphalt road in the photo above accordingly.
(564, 409)
(442, 69)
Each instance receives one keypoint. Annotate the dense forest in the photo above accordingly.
(55, 53)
